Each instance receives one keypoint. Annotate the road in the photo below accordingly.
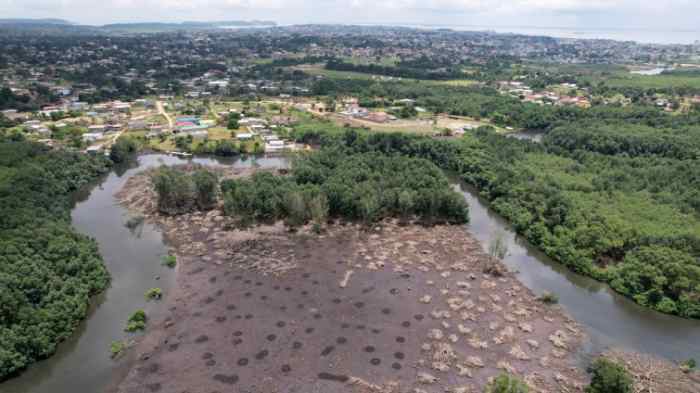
(162, 112)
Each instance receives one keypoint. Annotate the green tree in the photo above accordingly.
(207, 188)
(122, 149)
(608, 377)
(175, 190)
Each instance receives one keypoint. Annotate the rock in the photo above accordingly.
(440, 314)
(518, 353)
(440, 366)
(346, 278)
(444, 353)
(533, 344)
(474, 362)
(464, 371)
(503, 365)
(426, 378)
(474, 342)
(525, 327)
(456, 303)
(559, 339)
(435, 334)
(425, 299)
(463, 329)
(463, 284)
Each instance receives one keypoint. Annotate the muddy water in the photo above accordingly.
(609, 319)
(82, 363)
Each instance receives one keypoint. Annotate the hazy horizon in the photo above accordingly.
(579, 14)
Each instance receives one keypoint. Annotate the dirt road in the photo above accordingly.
(162, 112)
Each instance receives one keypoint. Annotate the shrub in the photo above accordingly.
(154, 294)
(133, 222)
(136, 322)
(505, 383)
(117, 348)
(688, 366)
(609, 377)
(498, 247)
(549, 298)
(169, 261)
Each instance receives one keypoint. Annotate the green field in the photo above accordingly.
(654, 81)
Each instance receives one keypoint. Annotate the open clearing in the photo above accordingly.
(392, 309)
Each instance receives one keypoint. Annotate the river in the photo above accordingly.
(83, 364)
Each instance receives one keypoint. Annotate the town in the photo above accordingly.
(252, 207)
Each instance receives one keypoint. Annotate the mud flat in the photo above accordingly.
(392, 309)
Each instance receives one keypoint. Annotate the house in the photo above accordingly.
(319, 107)
(78, 106)
(251, 121)
(97, 129)
(91, 136)
(113, 127)
(121, 106)
(191, 130)
(137, 125)
(282, 120)
(274, 145)
(196, 132)
(221, 84)
(378, 117)
(244, 136)
(93, 150)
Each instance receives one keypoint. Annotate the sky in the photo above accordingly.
(582, 14)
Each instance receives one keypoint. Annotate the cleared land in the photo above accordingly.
(392, 309)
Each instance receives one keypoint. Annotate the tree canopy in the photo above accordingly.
(47, 270)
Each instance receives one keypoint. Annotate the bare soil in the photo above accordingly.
(390, 309)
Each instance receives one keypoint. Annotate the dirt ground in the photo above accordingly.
(391, 309)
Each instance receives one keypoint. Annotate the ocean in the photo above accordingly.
(639, 35)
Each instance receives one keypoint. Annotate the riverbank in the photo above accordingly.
(398, 307)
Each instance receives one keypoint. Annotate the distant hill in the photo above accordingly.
(154, 27)
(25, 21)
(60, 26)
